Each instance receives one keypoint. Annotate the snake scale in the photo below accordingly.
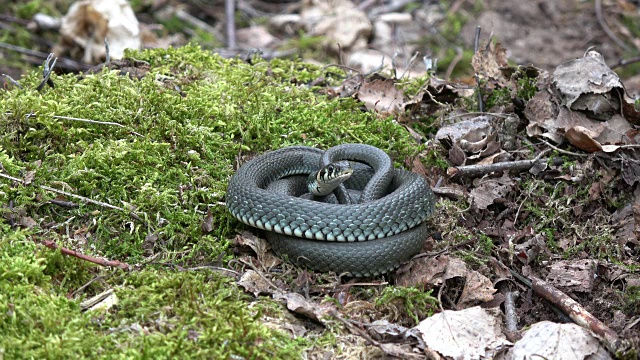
(360, 239)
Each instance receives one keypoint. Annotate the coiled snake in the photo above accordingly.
(361, 239)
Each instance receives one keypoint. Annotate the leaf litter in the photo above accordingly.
(573, 115)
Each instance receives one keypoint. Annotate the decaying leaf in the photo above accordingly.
(570, 342)
(207, 223)
(27, 222)
(488, 189)
(473, 333)
(587, 75)
(573, 275)
(431, 272)
(489, 61)
(252, 282)
(381, 95)
(89, 22)
(309, 308)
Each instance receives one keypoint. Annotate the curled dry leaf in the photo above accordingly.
(586, 75)
(252, 282)
(382, 96)
(489, 189)
(309, 308)
(473, 333)
(570, 342)
(431, 272)
(489, 62)
(477, 289)
(89, 22)
(339, 22)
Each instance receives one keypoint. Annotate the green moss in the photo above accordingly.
(166, 165)
(417, 303)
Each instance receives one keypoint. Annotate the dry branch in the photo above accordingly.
(103, 262)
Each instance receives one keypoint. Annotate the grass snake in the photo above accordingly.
(371, 236)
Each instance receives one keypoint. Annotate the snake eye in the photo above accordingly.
(330, 168)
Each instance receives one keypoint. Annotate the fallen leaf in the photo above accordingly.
(207, 223)
(472, 333)
(489, 189)
(27, 222)
(252, 282)
(382, 96)
(570, 342)
(430, 272)
(573, 275)
(489, 61)
(477, 289)
(589, 74)
(309, 308)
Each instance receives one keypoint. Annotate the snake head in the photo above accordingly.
(329, 177)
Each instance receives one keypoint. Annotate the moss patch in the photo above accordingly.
(182, 128)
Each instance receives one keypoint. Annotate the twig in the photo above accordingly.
(606, 28)
(510, 316)
(185, 16)
(100, 277)
(65, 251)
(11, 80)
(567, 152)
(477, 170)
(79, 197)
(46, 72)
(65, 63)
(64, 204)
(96, 122)
(624, 62)
(230, 17)
(454, 62)
(475, 51)
(581, 316)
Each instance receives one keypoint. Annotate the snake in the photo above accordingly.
(373, 235)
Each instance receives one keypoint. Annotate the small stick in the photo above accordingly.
(66, 64)
(11, 80)
(64, 204)
(580, 316)
(606, 28)
(96, 122)
(475, 51)
(477, 170)
(624, 62)
(79, 197)
(65, 251)
(230, 16)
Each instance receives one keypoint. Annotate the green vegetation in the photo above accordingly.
(182, 127)
(417, 303)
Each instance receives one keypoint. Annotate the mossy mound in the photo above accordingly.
(166, 162)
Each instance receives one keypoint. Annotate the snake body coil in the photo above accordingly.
(367, 238)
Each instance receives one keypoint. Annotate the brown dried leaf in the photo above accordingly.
(27, 222)
(589, 74)
(252, 282)
(489, 62)
(207, 223)
(573, 275)
(477, 288)
(311, 309)
(28, 178)
(382, 96)
(430, 272)
(490, 189)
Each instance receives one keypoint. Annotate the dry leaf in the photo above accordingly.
(252, 282)
(207, 223)
(311, 309)
(570, 342)
(589, 74)
(472, 333)
(477, 289)
(489, 62)
(573, 275)
(489, 189)
(382, 96)
(430, 272)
